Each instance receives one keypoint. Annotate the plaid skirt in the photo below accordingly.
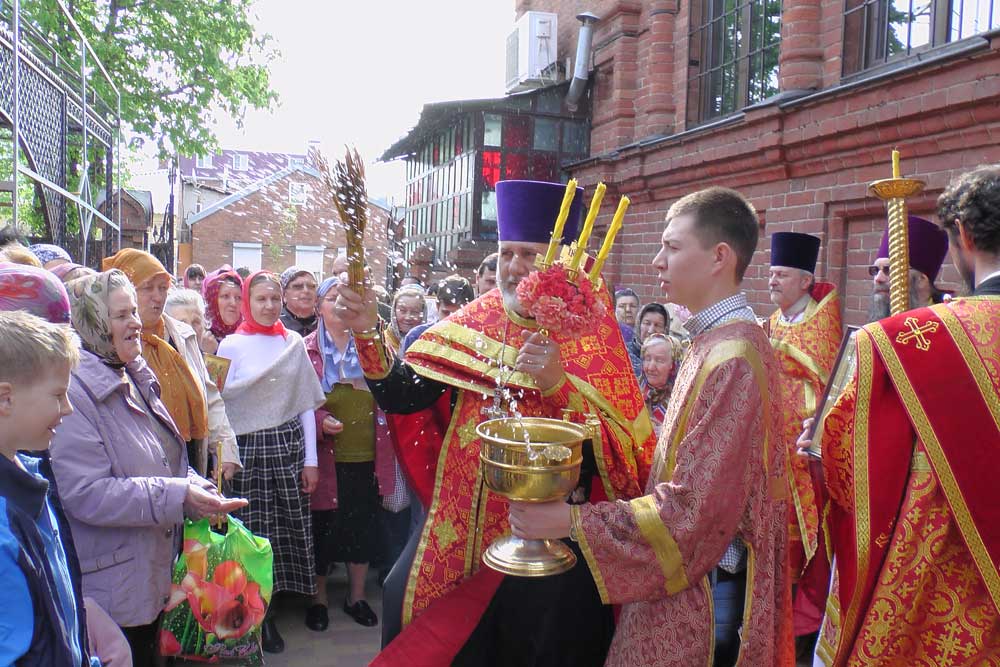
(278, 510)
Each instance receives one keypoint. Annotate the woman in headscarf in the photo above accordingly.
(50, 255)
(355, 464)
(223, 293)
(298, 290)
(171, 349)
(71, 271)
(34, 290)
(661, 358)
(121, 466)
(409, 309)
(271, 395)
(653, 318)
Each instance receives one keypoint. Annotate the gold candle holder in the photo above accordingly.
(894, 191)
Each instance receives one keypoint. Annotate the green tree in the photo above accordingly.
(176, 62)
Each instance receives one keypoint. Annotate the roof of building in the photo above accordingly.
(436, 116)
(248, 190)
(142, 197)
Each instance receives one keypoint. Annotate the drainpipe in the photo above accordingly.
(581, 70)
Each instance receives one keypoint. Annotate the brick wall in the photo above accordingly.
(266, 217)
(804, 163)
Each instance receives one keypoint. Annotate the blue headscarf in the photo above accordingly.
(337, 366)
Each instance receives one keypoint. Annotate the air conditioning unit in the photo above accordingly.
(531, 50)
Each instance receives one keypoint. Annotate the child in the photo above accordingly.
(42, 620)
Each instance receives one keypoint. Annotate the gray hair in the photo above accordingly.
(182, 298)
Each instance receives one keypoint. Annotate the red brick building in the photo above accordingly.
(286, 218)
(796, 103)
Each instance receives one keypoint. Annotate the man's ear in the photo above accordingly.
(723, 256)
(6, 399)
(963, 237)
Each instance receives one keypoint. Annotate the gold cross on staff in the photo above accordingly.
(917, 332)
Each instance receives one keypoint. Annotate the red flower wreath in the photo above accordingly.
(558, 304)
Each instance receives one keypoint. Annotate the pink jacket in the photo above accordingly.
(325, 495)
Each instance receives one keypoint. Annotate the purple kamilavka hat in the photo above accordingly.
(527, 211)
(928, 246)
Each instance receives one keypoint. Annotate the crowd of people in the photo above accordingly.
(727, 526)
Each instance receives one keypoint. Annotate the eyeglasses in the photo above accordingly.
(874, 270)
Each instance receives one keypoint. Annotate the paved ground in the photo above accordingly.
(343, 644)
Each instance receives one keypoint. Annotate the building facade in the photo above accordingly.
(459, 150)
(796, 103)
(286, 218)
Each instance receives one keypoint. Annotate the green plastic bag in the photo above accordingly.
(221, 588)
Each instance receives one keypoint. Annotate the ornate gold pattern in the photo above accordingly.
(588, 554)
(445, 534)
(916, 333)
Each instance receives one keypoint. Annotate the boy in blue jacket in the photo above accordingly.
(42, 620)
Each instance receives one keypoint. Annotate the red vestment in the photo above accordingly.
(718, 472)
(448, 588)
(910, 454)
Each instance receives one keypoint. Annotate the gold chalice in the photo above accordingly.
(533, 460)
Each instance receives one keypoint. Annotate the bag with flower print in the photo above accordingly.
(219, 594)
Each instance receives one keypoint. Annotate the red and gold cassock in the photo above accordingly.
(718, 471)
(472, 351)
(806, 351)
(910, 454)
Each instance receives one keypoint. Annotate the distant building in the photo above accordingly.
(137, 215)
(286, 217)
(458, 151)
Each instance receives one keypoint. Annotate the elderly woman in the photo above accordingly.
(223, 293)
(409, 309)
(121, 466)
(271, 395)
(355, 465)
(171, 349)
(298, 291)
(661, 357)
(653, 318)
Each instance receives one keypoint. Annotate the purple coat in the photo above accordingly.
(125, 504)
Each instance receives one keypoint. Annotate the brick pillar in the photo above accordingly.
(616, 62)
(801, 60)
(654, 104)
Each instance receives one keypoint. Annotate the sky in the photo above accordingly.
(358, 73)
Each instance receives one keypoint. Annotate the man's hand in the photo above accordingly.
(358, 313)
(805, 442)
(540, 521)
(199, 503)
(539, 358)
(229, 469)
(310, 478)
(332, 425)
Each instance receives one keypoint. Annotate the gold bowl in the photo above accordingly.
(535, 460)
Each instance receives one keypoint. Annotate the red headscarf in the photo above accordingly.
(210, 290)
(249, 324)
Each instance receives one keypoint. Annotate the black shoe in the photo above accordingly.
(317, 618)
(361, 613)
(270, 640)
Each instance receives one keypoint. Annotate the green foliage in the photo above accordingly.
(176, 63)
(284, 232)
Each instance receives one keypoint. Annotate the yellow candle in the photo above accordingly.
(557, 231)
(895, 163)
(588, 226)
(609, 238)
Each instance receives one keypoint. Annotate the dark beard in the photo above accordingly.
(880, 307)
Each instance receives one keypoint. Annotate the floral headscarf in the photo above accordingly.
(251, 326)
(64, 270)
(88, 298)
(33, 290)
(210, 291)
(337, 367)
(46, 252)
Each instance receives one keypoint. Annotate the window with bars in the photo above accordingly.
(733, 56)
(880, 31)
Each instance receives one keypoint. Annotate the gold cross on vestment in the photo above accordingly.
(917, 332)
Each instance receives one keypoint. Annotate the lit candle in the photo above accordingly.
(557, 231)
(895, 163)
(609, 239)
(588, 226)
